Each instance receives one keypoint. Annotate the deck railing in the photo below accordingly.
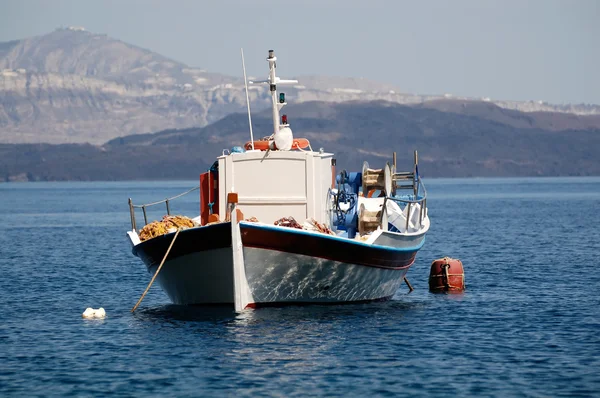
(132, 207)
(419, 196)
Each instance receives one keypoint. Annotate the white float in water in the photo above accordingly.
(92, 313)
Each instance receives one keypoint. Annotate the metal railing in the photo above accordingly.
(420, 195)
(132, 207)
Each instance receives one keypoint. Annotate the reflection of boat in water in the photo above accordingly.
(359, 239)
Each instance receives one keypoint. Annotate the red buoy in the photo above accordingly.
(447, 275)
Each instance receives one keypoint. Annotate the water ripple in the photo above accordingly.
(526, 326)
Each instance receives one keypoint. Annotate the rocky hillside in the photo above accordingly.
(449, 144)
(73, 86)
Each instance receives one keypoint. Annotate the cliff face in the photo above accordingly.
(57, 108)
(73, 86)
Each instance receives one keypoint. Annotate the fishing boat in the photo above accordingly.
(278, 225)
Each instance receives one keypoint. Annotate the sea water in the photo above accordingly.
(528, 323)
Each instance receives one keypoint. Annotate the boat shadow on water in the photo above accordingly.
(225, 314)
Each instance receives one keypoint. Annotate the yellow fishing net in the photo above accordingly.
(158, 228)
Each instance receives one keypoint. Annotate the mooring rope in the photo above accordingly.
(157, 271)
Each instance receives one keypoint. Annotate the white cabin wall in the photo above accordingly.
(276, 184)
(325, 183)
(271, 187)
(322, 182)
(310, 186)
(272, 177)
(224, 165)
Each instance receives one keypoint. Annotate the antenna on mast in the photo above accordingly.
(282, 138)
(247, 98)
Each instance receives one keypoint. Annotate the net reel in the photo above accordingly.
(378, 180)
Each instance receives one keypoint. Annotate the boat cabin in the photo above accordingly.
(276, 184)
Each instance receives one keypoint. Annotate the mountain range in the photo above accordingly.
(82, 106)
(74, 86)
(449, 145)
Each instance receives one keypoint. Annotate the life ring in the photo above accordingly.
(263, 145)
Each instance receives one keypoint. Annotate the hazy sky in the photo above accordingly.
(522, 50)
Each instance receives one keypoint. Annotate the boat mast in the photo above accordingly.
(247, 98)
(273, 88)
(273, 81)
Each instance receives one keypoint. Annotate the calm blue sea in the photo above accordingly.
(527, 325)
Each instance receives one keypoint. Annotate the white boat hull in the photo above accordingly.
(278, 277)
(300, 267)
(274, 278)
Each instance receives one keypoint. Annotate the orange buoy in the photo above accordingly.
(447, 275)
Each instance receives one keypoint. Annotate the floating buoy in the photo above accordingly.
(447, 275)
(92, 313)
